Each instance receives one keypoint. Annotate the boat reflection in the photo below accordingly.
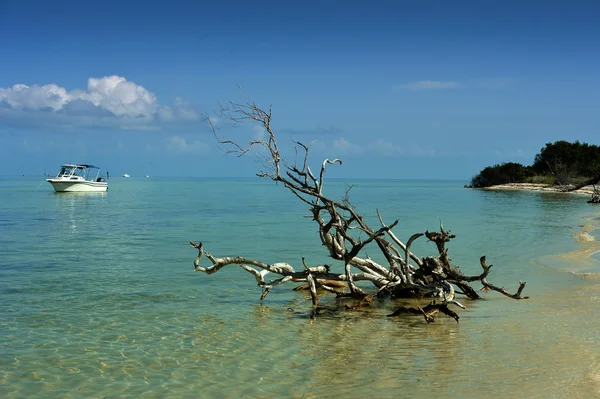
(73, 209)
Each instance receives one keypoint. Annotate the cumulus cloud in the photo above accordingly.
(120, 97)
(104, 99)
(45, 97)
(428, 85)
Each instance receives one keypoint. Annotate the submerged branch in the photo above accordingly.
(430, 311)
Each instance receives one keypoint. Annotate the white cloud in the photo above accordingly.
(165, 113)
(428, 84)
(185, 111)
(344, 147)
(120, 97)
(107, 98)
(180, 144)
(22, 96)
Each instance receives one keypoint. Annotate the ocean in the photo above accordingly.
(98, 297)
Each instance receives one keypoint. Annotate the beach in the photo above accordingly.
(587, 190)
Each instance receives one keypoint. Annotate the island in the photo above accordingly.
(560, 167)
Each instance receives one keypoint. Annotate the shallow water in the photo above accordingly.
(98, 297)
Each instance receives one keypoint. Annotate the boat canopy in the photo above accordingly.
(82, 166)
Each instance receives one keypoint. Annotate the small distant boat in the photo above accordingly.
(126, 175)
(147, 176)
(78, 178)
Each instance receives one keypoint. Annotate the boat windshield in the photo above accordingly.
(66, 171)
(72, 170)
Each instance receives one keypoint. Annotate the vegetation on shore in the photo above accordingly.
(560, 163)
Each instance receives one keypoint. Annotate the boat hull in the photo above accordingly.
(61, 186)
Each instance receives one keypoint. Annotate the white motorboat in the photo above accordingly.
(126, 175)
(78, 178)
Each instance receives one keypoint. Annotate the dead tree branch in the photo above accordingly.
(346, 234)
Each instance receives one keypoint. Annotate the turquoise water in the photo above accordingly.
(98, 297)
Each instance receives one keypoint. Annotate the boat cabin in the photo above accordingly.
(80, 172)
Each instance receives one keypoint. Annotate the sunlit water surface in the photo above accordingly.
(98, 298)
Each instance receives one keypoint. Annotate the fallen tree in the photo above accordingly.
(588, 182)
(345, 234)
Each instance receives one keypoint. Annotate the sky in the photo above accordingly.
(397, 89)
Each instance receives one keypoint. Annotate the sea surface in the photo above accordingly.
(98, 297)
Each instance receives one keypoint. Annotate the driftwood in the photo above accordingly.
(595, 196)
(345, 234)
(589, 182)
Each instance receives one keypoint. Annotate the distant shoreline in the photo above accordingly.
(587, 190)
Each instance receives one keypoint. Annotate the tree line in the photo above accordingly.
(559, 163)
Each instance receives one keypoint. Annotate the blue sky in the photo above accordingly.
(397, 89)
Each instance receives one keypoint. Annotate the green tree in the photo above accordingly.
(509, 172)
(565, 160)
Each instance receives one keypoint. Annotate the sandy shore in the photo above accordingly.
(587, 190)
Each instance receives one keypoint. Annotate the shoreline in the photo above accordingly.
(587, 245)
(587, 190)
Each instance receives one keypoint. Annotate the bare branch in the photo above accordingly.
(312, 284)
(346, 235)
(486, 270)
(321, 175)
(414, 257)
